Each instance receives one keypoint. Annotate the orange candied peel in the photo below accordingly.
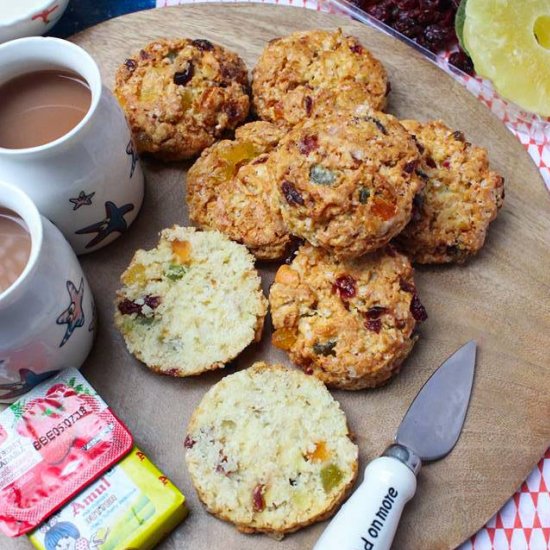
(283, 338)
(386, 210)
(238, 153)
(182, 251)
(320, 453)
(287, 276)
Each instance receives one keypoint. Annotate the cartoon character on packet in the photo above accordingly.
(66, 536)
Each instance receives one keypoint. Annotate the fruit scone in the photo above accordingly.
(310, 73)
(180, 96)
(347, 182)
(191, 304)
(462, 196)
(230, 189)
(350, 323)
(268, 449)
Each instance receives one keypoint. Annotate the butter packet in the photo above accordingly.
(133, 505)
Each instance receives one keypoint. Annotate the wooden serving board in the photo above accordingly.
(501, 299)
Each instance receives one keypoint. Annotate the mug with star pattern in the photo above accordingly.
(47, 314)
(89, 181)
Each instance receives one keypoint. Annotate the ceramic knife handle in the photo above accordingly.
(369, 519)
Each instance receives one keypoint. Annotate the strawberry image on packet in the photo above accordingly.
(54, 441)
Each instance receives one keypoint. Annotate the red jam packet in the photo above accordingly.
(54, 441)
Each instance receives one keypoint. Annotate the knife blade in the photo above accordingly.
(429, 431)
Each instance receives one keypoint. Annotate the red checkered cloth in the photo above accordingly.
(524, 521)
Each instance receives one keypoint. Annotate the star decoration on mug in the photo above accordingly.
(73, 316)
(82, 200)
(113, 222)
(131, 150)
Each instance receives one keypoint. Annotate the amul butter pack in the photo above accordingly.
(133, 505)
(54, 441)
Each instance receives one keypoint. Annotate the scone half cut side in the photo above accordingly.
(268, 449)
(191, 304)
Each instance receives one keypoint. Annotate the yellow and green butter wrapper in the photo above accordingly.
(133, 505)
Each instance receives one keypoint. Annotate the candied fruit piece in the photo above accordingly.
(320, 453)
(134, 275)
(283, 338)
(175, 272)
(258, 501)
(381, 207)
(182, 251)
(331, 476)
(321, 176)
(287, 276)
(325, 348)
(238, 153)
(364, 194)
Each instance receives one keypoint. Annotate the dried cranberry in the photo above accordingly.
(291, 194)
(446, 163)
(189, 442)
(357, 48)
(152, 301)
(375, 311)
(308, 104)
(258, 501)
(308, 371)
(461, 61)
(143, 54)
(380, 12)
(431, 162)
(130, 65)
(203, 45)
(374, 325)
(229, 72)
(127, 307)
(419, 145)
(307, 144)
(435, 36)
(345, 286)
(459, 136)
(181, 78)
(417, 309)
(406, 286)
(410, 167)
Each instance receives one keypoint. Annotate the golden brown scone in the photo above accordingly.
(347, 182)
(310, 73)
(179, 96)
(350, 323)
(268, 449)
(461, 198)
(191, 304)
(229, 188)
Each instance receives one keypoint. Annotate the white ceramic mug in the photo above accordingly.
(47, 316)
(19, 19)
(88, 182)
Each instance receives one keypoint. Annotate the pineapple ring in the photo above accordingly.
(509, 43)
